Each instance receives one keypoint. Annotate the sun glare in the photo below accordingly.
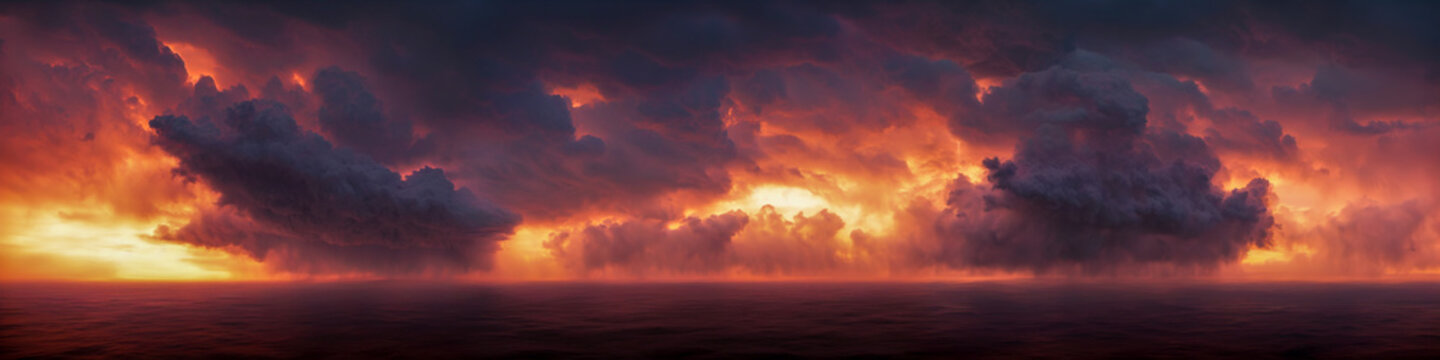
(109, 250)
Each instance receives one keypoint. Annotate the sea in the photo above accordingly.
(999, 319)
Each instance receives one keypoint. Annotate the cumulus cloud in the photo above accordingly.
(268, 169)
(1088, 187)
(698, 245)
(800, 244)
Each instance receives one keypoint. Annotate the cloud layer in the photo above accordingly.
(752, 139)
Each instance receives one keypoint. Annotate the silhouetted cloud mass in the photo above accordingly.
(267, 168)
(1089, 187)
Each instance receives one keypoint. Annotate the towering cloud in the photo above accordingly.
(1089, 187)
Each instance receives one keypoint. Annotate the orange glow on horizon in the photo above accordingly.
(839, 169)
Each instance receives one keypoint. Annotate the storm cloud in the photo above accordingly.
(1089, 187)
(267, 168)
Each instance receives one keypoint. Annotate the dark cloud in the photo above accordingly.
(352, 116)
(207, 100)
(286, 251)
(485, 103)
(763, 88)
(267, 168)
(1088, 188)
(1363, 102)
(942, 84)
(990, 38)
(1057, 101)
(829, 98)
(1240, 131)
(1193, 59)
(1174, 107)
(1364, 34)
(641, 149)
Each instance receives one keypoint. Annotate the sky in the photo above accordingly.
(728, 140)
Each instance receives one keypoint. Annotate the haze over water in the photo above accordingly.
(1015, 319)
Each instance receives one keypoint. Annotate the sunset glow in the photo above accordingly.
(167, 143)
(700, 179)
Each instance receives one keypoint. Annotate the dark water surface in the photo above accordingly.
(720, 320)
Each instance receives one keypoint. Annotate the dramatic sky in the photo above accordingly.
(519, 140)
